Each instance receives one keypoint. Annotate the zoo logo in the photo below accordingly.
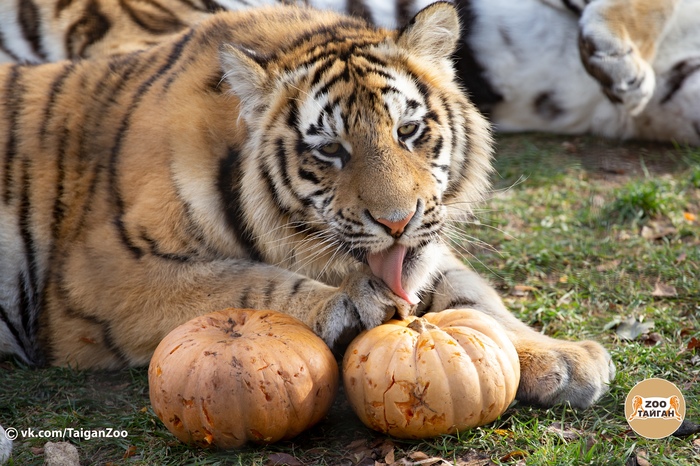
(655, 408)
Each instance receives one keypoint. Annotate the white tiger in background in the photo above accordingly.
(624, 69)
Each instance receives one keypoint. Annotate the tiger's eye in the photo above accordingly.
(331, 149)
(408, 130)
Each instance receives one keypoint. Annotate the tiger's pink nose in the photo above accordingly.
(396, 228)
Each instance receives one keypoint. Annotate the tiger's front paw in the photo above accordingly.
(363, 301)
(616, 63)
(556, 371)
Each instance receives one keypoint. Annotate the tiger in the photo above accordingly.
(622, 69)
(279, 158)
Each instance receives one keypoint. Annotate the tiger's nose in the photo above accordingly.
(397, 227)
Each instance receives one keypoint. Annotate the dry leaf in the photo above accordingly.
(658, 230)
(652, 339)
(566, 433)
(631, 328)
(418, 456)
(514, 455)
(610, 265)
(360, 444)
(522, 290)
(693, 344)
(689, 216)
(662, 290)
(696, 445)
(279, 459)
(390, 457)
(131, 451)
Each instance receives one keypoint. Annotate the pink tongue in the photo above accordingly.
(388, 265)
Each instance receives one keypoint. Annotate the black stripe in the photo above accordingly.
(170, 61)
(155, 250)
(308, 176)
(571, 7)
(60, 6)
(269, 292)
(229, 186)
(359, 9)
(469, 70)
(13, 94)
(677, 76)
(109, 343)
(29, 21)
(460, 303)
(55, 89)
(13, 330)
(7, 51)
(245, 296)
(297, 285)
(90, 28)
(29, 306)
(156, 20)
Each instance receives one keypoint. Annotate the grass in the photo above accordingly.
(584, 233)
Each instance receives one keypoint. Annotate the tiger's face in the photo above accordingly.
(368, 150)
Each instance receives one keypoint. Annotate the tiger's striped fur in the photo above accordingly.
(618, 68)
(281, 158)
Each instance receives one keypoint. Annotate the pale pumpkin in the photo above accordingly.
(235, 376)
(441, 373)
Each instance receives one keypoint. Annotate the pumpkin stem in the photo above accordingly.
(420, 325)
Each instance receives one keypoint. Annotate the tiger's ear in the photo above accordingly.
(433, 33)
(248, 80)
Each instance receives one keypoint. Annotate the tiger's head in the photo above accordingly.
(361, 146)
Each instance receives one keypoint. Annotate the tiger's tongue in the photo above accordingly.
(388, 266)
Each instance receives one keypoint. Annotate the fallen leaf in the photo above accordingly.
(606, 266)
(514, 455)
(131, 451)
(652, 339)
(658, 230)
(280, 459)
(390, 457)
(681, 258)
(631, 328)
(566, 433)
(689, 216)
(641, 458)
(696, 445)
(662, 290)
(37, 450)
(358, 444)
(522, 290)
(503, 432)
(418, 456)
(693, 344)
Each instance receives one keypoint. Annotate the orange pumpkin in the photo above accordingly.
(438, 374)
(241, 375)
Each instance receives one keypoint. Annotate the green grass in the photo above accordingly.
(569, 221)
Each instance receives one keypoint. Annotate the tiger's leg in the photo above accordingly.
(552, 371)
(618, 40)
(116, 316)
